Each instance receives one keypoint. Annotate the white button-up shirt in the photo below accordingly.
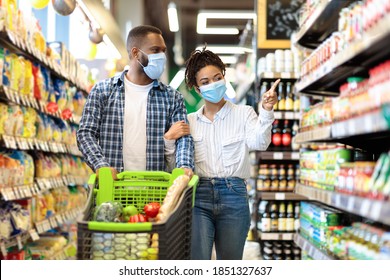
(222, 146)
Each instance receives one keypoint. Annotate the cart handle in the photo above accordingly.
(144, 175)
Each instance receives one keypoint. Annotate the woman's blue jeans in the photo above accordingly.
(221, 216)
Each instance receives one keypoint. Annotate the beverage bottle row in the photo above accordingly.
(276, 178)
(283, 133)
(287, 100)
(278, 216)
(280, 250)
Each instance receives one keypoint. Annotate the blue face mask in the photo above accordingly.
(213, 92)
(156, 64)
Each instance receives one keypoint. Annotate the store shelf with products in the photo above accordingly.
(43, 90)
(372, 209)
(370, 131)
(350, 65)
(312, 250)
(19, 46)
(319, 22)
(353, 60)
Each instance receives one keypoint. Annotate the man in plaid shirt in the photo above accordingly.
(126, 117)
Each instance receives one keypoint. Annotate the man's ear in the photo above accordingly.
(134, 53)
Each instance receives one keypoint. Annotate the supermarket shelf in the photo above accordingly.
(276, 235)
(281, 196)
(277, 155)
(320, 23)
(7, 94)
(373, 126)
(280, 115)
(354, 60)
(19, 46)
(313, 251)
(16, 240)
(278, 75)
(372, 209)
(41, 184)
(56, 220)
(21, 143)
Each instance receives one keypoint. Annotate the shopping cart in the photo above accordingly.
(166, 240)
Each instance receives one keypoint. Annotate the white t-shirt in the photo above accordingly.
(134, 126)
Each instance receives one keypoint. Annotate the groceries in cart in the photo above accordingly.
(143, 215)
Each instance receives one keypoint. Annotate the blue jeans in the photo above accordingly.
(221, 216)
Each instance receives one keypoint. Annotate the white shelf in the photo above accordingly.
(313, 251)
(372, 209)
(276, 235)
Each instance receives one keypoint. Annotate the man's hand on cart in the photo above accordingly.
(113, 172)
(188, 172)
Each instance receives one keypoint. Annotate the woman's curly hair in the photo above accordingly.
(198, 60)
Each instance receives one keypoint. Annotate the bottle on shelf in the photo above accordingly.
(297, 103)
(263, 180)
(274, 178)
(281, 97)
(295, 127)
(266, 220)
(276, 134)
(282, 179)
(296, 216)
(290, 217)
(289, 105)
(263, 89)
(282, 217)
(274, 217)
(290, 178)
(286, 134)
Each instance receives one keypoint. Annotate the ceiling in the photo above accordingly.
(187, 37)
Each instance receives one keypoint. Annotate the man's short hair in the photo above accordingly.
(137, 34)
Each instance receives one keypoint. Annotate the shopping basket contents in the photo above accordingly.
(141, 216)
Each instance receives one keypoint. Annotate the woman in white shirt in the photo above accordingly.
(223, 134)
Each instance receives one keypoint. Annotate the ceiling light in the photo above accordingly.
(172, 17)
(201, 27)
(228, 59)
(226, 49)
(111, 47)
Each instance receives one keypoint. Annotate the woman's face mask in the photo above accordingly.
(213, 92)
(156, 65)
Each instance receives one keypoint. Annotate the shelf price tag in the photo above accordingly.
(295, 155)
(351, 204)
(289, 115)
(280, 196)
(337, 200)
(278, 115)
(34, 235)
(278, 155)
(365, 207)
(19, 242)
(3, 250)
(376, 210)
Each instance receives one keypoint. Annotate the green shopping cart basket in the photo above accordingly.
(166, 240)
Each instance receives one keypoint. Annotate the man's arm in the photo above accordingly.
(185, 144)
(89, 130)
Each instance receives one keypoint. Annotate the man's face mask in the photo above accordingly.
(213, 92)
(156, 65)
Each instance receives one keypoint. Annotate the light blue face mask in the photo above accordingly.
(213, 92)
(156, 65)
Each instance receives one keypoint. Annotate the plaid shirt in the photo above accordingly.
(100, 135)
